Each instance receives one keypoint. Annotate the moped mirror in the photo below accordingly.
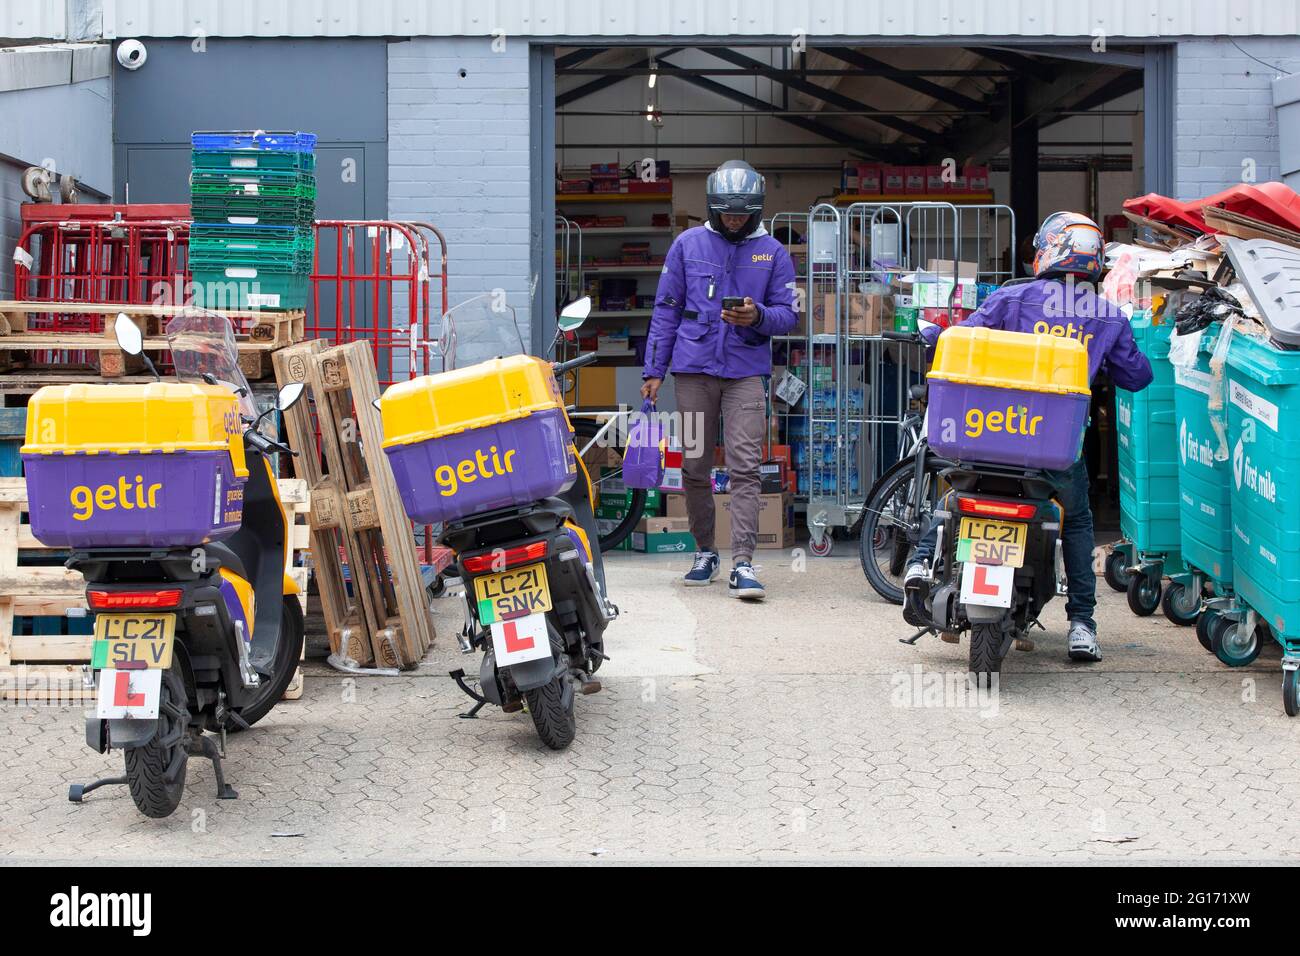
(128, 335)
(289, 396)
(574, 314)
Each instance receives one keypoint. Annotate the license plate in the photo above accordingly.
(512, 594)
(133, 641)
(992, 542)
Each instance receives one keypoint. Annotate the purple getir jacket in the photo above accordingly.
(1070, 310)
(687, 333)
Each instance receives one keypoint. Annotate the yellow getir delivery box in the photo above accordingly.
(158, 465)
(1010, 398)
(475, 439)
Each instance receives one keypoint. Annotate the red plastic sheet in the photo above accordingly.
(1273, 203)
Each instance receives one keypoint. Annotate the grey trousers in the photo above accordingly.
(740, 403)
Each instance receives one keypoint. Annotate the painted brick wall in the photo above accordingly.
(1224, 111)
(458, 157)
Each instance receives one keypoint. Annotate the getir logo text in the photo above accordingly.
(109, 497)
(1014, 420)
(482, 465)
(761, 257)
(1069, 331)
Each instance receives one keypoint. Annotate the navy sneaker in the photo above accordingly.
(704, 570)
(744, 583)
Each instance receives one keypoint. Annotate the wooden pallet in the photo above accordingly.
(49, 666)
(258, 334)
(385, 622)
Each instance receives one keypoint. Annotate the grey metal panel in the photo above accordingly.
(541, 140)
(335, 88)
(1159, 92)
(622, 19)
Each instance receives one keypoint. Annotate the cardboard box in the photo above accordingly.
(893, 179)
(771, 477)
(914, 182)
(977, 178)
(934, 182)
(775, 521)
(869, 179)
(943, 268)
(663, 536)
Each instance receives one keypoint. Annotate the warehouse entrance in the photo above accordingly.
(1033, 129)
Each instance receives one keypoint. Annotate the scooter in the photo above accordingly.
(536, 602)
(197, 627)
(997, 563)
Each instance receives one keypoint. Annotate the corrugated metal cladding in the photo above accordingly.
(654, 18)
(33, 19)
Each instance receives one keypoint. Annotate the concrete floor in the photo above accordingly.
(799, 729)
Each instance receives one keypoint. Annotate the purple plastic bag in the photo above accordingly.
(643, 465)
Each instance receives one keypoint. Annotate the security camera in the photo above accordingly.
(131, 54)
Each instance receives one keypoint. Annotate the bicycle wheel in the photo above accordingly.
(610, 457)
(890, 529)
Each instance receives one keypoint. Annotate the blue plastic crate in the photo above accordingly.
(274, 141)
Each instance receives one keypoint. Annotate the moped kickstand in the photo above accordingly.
(918, 635)
(204, 746)
(458, 675)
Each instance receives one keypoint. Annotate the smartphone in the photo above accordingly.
(733, 301)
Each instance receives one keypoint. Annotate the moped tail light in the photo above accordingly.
(996, 509)
(504, 558)
(115, 600)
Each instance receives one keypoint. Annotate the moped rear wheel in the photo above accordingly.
(551, 706)
(154, 793)
(985, 649)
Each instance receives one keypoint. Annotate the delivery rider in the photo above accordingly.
(1062, 300)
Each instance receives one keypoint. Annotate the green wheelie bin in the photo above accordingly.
(1204, 497)
(1263, 406)
(1148, 474)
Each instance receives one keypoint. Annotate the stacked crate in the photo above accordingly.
(253, 202)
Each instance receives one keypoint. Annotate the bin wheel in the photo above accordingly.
(1143, 594)
(1204, 625)
(821, 547)
(1291, 692)
(1180, 604)
(1116, 571)
(1232, 645)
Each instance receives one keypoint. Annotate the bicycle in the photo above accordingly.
(902, 501)
(604, 459)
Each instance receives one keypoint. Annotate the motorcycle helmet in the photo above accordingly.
(1069, 243)
(734, 188)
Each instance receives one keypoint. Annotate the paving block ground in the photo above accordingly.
(795, 730)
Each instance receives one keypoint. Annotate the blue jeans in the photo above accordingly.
(1076, 542)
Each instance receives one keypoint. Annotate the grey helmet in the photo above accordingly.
(735, 188)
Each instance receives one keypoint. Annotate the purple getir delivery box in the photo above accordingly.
(1008, 398)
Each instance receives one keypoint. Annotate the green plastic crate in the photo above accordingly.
(246, 160)
(253, 187)
(238, 287)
